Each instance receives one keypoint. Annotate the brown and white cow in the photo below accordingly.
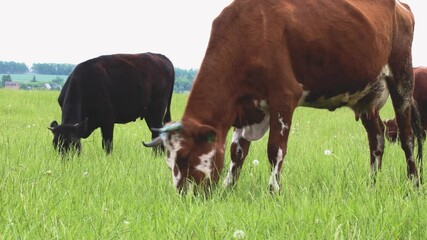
(266, 57)
(420, 97)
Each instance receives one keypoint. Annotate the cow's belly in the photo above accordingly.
(373, 95)
(369, 99)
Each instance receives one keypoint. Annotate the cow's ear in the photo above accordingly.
(53, 125)
(206, 134)
(203, 133)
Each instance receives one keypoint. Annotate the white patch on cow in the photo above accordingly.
(262, 105)
(385, 73)
(237, 134)
(173, 146)
(284, 126)
(304, 95)
(410, 143)
(274, 182)
(229, 180)
(205, 165)
(256, 131)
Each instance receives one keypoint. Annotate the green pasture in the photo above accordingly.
(129, 194)
(25, 78)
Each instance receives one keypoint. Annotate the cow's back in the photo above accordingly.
(326, 49)
(325, 42)
(115, 88)
(135, 80)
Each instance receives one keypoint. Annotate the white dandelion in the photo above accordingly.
(256, 162)
(327, 152)
(239, 234)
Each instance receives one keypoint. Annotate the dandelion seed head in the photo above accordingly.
(239, 234)
(256, 162)
(327, 152)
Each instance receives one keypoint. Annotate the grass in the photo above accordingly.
(129, 194)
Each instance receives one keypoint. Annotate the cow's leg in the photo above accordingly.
(238, 151)
(280, 123)
(407, 116)
(375, 130)
(107, 138)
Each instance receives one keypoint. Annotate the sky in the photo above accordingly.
(72, 31)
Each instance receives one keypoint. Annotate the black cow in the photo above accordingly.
(113, 89)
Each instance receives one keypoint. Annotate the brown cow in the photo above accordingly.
(420, 97)
(266, 57)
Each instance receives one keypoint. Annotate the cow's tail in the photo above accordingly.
(420, 135)
(168, 117)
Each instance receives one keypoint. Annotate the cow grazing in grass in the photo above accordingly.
(266, 57)
(420, 97)
(113, 89)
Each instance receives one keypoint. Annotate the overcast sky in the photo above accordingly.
(65, 31)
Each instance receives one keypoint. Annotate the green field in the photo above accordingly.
(25, 78)
(129, 194)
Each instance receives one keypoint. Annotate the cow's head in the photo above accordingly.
(66, 137)
(391, 130)
(193, 154)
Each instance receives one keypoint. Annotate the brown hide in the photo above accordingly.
(289, 53)
(420, 97)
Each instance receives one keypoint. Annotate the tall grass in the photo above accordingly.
(129, 194)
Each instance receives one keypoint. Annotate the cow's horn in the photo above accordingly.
(169, 128)
(155, 142)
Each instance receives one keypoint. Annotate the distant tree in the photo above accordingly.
(4, 79)
(58, 80)
(34, 79)
(13, 68)
(52, 68)
(184, 79)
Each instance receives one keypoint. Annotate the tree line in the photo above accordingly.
(13, 68)
(37, 68)
(183, 77)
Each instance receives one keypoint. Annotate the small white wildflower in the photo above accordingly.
(126, 222)
(256, 162)
(48, 172)
(327, 152)
(239, 234)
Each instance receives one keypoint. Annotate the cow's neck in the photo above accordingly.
(72, 110)
(211, 101)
